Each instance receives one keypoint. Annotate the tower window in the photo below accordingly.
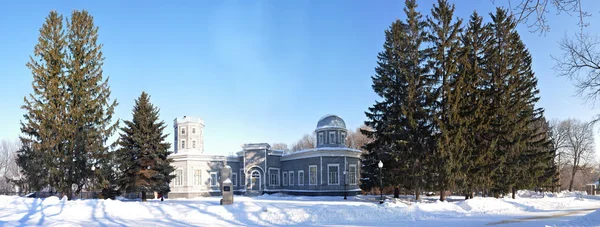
(183, 144)
(332, 137)
(193, 144)
(193, 130)
(342, 137)
(182, 131)
(320, 138)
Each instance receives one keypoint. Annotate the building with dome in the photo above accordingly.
(329, 169)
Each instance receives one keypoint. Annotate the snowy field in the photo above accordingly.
(529, 209)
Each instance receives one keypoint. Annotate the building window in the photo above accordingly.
(213, 179)
(182, 131)
(179, 177)
(193, 130)
(342, 137)
(320, 140)
(234, 179)
(352, 174)
(291, 178)
(333, 177)
(300, 177)
(285, 176)
(197, 177)
(274, 177)
(193, 144)
(182, 144)
(331, 137)
(312, 175)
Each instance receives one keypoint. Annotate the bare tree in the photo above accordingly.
(579, 145)
(356, 140)
(8, 165)
(533, 12)
(559, 143)
(280, 146)
(580, 62)
(306, 142)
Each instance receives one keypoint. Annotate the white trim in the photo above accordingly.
(211, 179)
(291, 178)
(285, 178)
(249, 168)
(278, 176)
(235, 183)
(266, 174)
(321, 167)
(299, 172)
(323, 151)
(355, 174)
(338, 174)
(316, 173)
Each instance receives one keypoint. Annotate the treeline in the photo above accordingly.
(457, 110)
(69, 120)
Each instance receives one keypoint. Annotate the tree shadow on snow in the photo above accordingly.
(32, 210)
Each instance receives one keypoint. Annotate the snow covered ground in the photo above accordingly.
(529, 209)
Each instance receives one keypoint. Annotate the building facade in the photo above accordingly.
(329, 169)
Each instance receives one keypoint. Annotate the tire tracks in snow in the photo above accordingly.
(541, 217)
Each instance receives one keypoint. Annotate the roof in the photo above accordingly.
(331, 121)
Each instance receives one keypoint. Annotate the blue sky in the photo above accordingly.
(255, 71)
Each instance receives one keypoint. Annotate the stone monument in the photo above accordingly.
(226, 186)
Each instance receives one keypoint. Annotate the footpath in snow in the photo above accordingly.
(529, 209)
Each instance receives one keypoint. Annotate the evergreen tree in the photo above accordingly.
(42, 129)
(443, 54)
(143, 152)
(401, 121)
(472, 109)
(68, 115)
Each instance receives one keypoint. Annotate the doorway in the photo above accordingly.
(255, 181)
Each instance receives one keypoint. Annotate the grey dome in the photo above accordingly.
(331, 121)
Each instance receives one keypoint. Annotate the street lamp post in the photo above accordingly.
(381, 180)
(345, 183)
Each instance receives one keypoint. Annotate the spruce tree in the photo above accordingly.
(69, 114)
(143, 153)
(443, 54)
(43, 132)
(401, 121)
(472, 107)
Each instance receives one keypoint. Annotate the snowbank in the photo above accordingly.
(281, 209)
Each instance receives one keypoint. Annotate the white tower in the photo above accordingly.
(188, 135)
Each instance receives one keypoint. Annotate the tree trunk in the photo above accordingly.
(572, 178)
(514, 192)
(396, 192)
(143, 196)
(417, 194)
(471, 195)
(442, 195)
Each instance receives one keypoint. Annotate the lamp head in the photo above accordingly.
(380, 164)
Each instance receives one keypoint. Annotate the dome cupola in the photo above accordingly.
(331, 131)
